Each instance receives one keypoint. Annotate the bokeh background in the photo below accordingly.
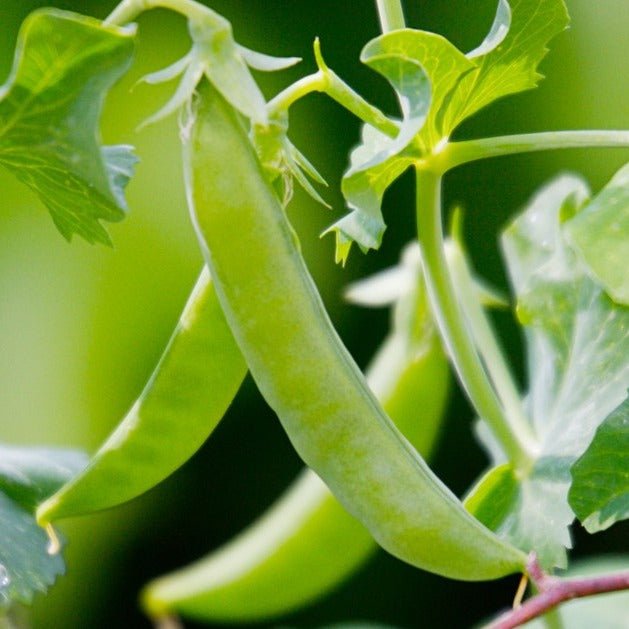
(81, 327)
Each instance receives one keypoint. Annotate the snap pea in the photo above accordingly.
(304, 371)
(191, 388)
(290, 556)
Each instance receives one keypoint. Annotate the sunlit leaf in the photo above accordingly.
(601, 236)
(28, 475)
(600, 488)
(378, 161)
(507, 61)
(49, 114)
(438, 87)
(577, 343)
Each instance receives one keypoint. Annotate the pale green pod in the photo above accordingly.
(191, 388)
(303, 370)
(291, 555)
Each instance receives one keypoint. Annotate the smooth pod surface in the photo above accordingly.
(290, 555)
(191, 388)
(303, 370)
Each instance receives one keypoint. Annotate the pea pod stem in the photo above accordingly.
(304, 371)
(512, 432)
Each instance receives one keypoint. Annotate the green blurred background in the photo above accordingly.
(81, 327)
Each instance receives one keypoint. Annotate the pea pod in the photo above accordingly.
(303, 370)
(290, 556)
(188, 393)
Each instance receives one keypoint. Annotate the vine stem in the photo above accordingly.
(391, 15)
(458, 153)
(513, 435)
(484, 337)
(553, 591)
(328, 82)
(128, 10)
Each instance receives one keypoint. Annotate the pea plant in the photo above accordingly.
(558, 450)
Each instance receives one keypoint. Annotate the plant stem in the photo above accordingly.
(454, 329)
(486, 341)
(391, 15)
(457, 153)
(554, 591)
(128, 10)
(325, 80)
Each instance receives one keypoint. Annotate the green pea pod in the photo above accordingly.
(304, 371)
(290, 556)
(188, 393)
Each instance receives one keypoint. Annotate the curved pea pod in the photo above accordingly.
(191, 388)
(290, 555)
(304, 371)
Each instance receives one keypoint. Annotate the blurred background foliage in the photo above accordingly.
(81, 327)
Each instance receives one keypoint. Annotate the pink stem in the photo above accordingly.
(553, 591)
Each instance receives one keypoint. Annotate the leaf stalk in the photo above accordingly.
(391, 15)
(457, 153)
(328, 82)
(456, 333)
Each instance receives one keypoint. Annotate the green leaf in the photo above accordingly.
(26, 476)
(507, 61)
(601, 236)
(531, 512)
(577, 343)
(49, 113)
(438, 87)
(379, 160)
(600, 478)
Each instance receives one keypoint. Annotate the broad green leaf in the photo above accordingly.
(577, 343)
(600, 478)
(49, 113)
(438, 87)
(600, 234)
(608, 611)
(443, 64)
(532, 512)
(379, 160)
(507, 61)
(26, 476)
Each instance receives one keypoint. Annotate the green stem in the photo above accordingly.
(287, 97)
(486, 341)
(457, 153)
(128, 10)
(454, 329)
(391, 15)
(325, 80)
